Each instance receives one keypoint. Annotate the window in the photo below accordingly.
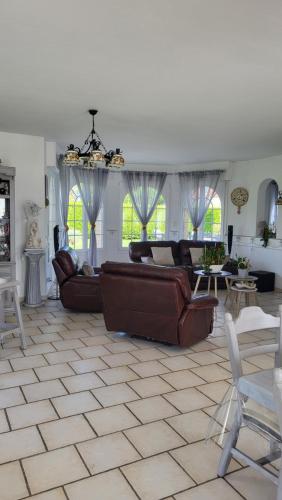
(79, 226)
(210, 228)
(132, 227)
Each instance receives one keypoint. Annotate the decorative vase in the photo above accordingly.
(229, 238)
(243, 273)
(216, 268)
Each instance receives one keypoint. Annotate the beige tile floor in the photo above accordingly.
(95, 415)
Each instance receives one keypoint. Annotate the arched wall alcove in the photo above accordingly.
(266, 208)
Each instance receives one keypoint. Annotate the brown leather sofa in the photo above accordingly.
(154, 302)
(181, 256)
(78, 292)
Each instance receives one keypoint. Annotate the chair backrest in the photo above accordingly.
(146, 272)
(64, 266)
(277, 383)
(251, 319)
(147, 300)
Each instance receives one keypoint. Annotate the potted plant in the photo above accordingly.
(267, 233)
(243, 266)
(213, 258)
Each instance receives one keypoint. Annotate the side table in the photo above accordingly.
(246, 294)
(234, 277)
(32, 286)
(201, 274)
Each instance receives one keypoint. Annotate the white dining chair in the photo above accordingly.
(5, 327)
(258, 389)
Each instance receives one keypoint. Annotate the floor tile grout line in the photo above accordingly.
(25, 478)
(130, 485)
(197, 387)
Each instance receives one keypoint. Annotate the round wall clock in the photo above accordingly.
(239, 198)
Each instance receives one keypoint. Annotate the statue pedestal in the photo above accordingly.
(32, 286)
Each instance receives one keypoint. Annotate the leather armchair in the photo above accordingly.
(78, 292)
(154, 302)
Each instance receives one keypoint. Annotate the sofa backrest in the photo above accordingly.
(185, 245)
(140, 249)
(180, 250)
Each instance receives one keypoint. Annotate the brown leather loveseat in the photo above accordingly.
(181, 255)
(154, 302)
(78, 292)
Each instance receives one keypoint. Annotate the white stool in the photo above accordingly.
(8, 328)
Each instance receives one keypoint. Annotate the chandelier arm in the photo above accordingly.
(88, 149)
(101, 142)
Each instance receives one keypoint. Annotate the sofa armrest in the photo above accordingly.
(203, 302)
(81, 279)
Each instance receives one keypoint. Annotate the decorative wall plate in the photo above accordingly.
(239, 198)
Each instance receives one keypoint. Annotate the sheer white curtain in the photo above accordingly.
(197, 191)
(145, 189)
(54, 206)
(65, 183)
(91, 184)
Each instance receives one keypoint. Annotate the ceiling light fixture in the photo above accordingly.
(90, 155)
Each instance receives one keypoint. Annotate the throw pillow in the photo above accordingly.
(196, 254)
(87, 269)
(162, 256)
(148, 260)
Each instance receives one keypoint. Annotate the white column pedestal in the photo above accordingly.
(32, 286)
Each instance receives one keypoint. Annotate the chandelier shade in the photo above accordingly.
(279, 199)
(93, 152)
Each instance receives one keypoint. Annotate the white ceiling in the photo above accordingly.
(175, 81)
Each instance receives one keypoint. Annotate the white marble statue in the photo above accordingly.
(33, 235)
(33, 239)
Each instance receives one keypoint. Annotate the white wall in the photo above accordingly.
(27, 154)
(250, 174)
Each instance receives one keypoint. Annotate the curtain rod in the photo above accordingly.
(115, 170)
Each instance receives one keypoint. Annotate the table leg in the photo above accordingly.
(238, 303)
(228, 291)
(197, 285)
(215, 286)
(209, 284)
(19, 318)
(2, 309)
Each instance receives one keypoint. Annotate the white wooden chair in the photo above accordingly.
(258, 388)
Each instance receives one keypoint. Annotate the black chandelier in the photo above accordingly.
(91, 155)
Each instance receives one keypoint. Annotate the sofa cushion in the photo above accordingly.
(196, 254)
(148, 260)
(162, 256)
(87, 270)
(138, 249)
